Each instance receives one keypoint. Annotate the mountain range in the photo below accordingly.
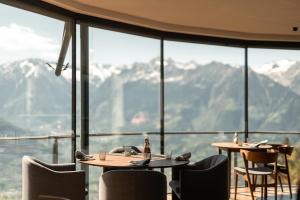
(284, 72)
(198, 97)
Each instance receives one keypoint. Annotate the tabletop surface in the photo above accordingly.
(117, 160)
(230, 145)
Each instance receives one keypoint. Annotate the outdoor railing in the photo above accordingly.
(57, 148)
(56, 138)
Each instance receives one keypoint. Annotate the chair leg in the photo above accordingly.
(254, 182)
(235, 185)
(289, 181)
(279, 178)
(262, 187)
(174, 196)
(275, 187)
(251, 189)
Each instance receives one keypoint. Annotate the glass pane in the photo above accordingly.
(124, 82)
(35, 103)
(204, 88)
(124, 87)
(204, 92)
(274, 99)
(274, 90)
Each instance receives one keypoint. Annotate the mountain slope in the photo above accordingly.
(198, 97)
(33, 97)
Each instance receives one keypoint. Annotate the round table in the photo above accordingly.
(118, 160)
(231, 147)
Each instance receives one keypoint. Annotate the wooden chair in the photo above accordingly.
(283, 170)
(259, 161)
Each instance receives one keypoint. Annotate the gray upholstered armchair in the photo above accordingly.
(132, 185)
(206, 178)
(42, 180)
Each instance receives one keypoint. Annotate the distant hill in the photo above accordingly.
(198, 97)
(8, 129)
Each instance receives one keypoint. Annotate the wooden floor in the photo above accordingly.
(243, 194)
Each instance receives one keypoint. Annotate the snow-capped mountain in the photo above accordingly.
(284, 72)
(198, 97)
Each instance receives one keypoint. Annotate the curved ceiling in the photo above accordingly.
(242, 19)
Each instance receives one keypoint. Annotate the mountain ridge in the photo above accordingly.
(198, 97)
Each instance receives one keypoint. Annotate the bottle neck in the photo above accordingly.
(147, 147)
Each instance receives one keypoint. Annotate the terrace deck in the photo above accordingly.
(244, 194)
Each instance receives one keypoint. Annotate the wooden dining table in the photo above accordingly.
(119, 160)
(230, 147)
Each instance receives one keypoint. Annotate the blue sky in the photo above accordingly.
(24, 34)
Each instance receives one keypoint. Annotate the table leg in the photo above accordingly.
(229, 171)
(266, 187)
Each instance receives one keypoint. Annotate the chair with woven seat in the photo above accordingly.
(283, 169)
(259, 160)
(206, 178)
(132, 185)
(51, 181)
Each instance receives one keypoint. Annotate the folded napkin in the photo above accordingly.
(82, 156)
(141, 162)
(184, 157)
(259, 143)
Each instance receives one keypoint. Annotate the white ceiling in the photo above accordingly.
(243, 19)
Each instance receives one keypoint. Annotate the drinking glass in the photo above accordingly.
(169, 155)
(127, 151)
(102, 155)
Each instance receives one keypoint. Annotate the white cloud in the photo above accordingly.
(17, 39)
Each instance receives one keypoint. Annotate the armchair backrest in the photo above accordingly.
(39, 180)
(132, 185)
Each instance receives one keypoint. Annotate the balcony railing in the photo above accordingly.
(56, 138)
(57, 148)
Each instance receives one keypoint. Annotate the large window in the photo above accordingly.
(204, 95)
(34, 101)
